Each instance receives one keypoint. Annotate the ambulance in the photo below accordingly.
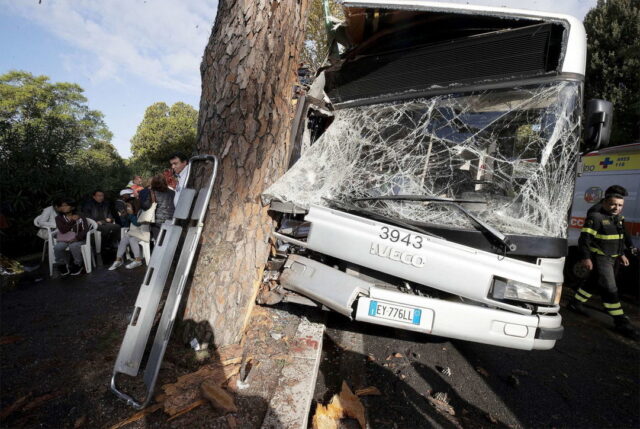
(617, 165)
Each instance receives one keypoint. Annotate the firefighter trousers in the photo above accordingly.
(602, 280)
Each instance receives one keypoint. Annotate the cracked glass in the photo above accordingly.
(513, 150)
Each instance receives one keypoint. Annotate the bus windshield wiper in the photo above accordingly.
(508, 245)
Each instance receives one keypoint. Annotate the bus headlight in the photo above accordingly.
(507, 289)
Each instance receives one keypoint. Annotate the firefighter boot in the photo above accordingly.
(577, 307)
(625, 328)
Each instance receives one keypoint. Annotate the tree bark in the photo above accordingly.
(248, 72)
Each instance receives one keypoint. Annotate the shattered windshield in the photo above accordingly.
(513, 149)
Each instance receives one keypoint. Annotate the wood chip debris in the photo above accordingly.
(36, 402)
(25, 403)
(80, 421)
(10, 339)
(137, 416)
(395, 355)
(183, 395)
(342, 405)
(441, 402)
(482, 371)
(218, 397)
(17, 405)
(188, 408)
(368, 391)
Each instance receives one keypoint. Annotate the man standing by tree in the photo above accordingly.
(180, 166)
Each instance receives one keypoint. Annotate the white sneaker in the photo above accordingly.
(116, 264)
(134, 264)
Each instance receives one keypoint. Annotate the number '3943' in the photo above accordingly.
(395, 236)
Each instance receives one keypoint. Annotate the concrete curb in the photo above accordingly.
(289, 406)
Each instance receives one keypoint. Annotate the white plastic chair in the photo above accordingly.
(47, 247)
(97, 236)
(87, 256)
(144, 245)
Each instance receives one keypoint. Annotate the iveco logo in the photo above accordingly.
(396, 255)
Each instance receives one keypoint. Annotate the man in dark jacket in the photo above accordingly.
(618, 190)
(602, 245)
(99, 210)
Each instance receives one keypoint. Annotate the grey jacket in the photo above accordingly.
(164, 209)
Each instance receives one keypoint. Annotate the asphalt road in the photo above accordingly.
(591, 379)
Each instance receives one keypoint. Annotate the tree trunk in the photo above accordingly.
(248, 72)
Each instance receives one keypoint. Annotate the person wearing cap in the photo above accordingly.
(126, 196)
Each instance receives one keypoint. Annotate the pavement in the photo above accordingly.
(59, 339)
(591, 379)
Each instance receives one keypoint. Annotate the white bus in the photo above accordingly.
(433, 168)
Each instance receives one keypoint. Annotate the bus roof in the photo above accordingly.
(576, 50)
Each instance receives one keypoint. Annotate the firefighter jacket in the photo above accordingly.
(602, 234)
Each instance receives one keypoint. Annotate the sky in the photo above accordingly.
(129, 54)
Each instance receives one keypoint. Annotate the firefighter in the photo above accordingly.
(602, 245)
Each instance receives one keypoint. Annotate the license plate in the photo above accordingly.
(385, 310)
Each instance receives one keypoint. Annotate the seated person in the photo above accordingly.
(135, 185)
(72, 233)
(47, 219)
(129, 240)
(99, 210)
(126, 196)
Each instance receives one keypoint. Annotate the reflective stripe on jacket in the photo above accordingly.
(602, 234)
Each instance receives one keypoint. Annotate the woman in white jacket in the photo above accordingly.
(47, 219)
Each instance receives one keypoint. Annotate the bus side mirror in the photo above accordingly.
(598, 114)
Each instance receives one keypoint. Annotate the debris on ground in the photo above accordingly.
(137, 416)
(342, 405)
(218, 397)
(482, 371)
(446, 371)
(368, 391)
(188, 408)
(25, 403)
(186, 390)
(80, 421)
(276, 335)
(15, 406)
(36, 402)
(441, 402)
(513, 380)
(10, 339)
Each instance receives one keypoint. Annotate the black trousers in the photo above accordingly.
(602, 279)
(110, 234)
(154, 228)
